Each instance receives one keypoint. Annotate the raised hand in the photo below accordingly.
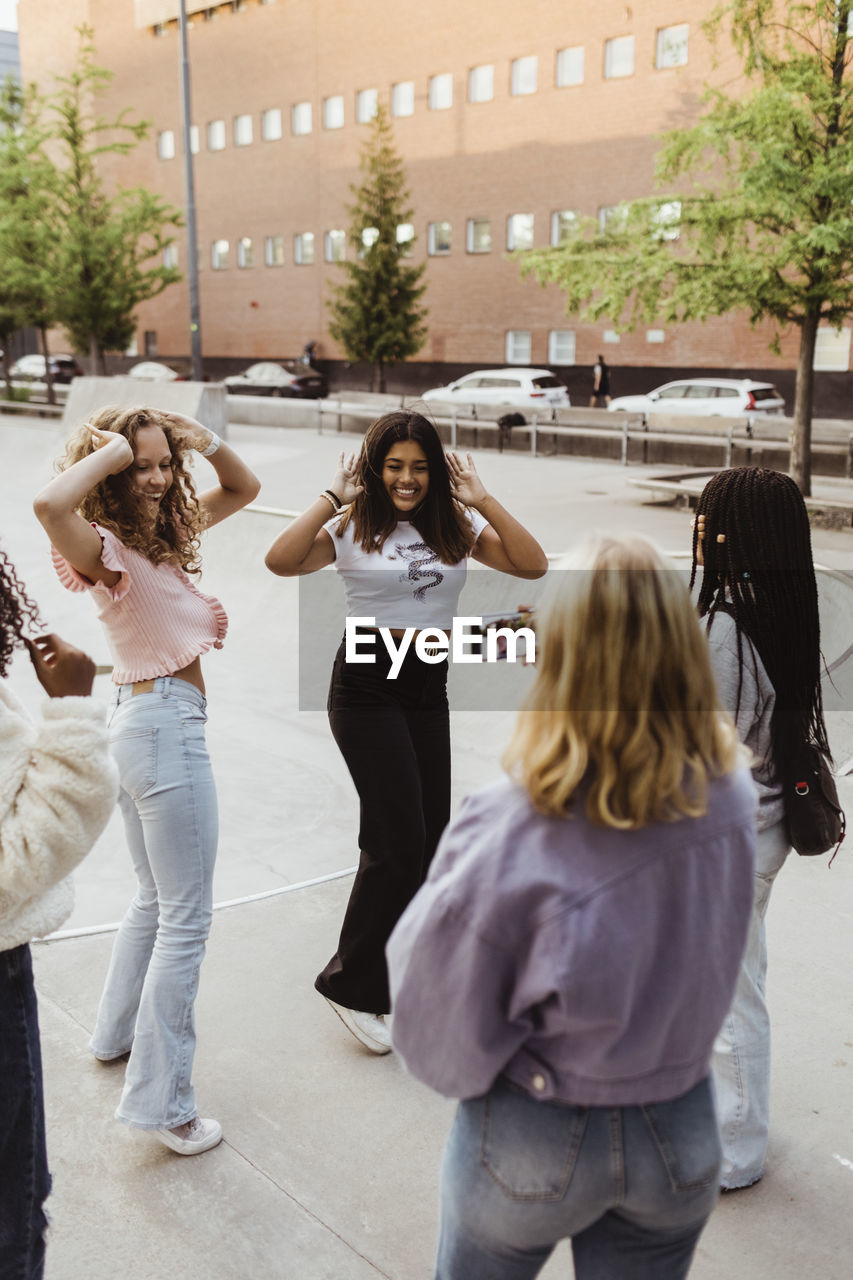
(120, 451)
(466, 484)
(61, 670)
(345, 483)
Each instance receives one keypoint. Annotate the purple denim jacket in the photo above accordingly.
(585, 964)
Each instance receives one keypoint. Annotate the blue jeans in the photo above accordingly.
(24, 1179)
(632, 1186)
(168, 801)
(741, 1061)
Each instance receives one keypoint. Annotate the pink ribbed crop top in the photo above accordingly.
(156, 620)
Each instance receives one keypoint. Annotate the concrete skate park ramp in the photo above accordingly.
(205, 401)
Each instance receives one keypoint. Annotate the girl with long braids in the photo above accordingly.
(125, 522)
(404, 521)
(57, 789)
(759, 594)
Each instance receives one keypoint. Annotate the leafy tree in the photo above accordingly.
(375, 314)
(27, 238)
(755, 203)
(104, 240)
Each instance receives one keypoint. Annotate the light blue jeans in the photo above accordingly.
(168, 801)
(741, 1061)
(632, 1186)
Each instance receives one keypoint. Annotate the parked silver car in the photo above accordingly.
(519, 388)
(714, 397)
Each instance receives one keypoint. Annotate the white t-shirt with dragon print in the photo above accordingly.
(405, 584)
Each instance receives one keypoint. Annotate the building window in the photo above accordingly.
(303, 248)
(333, 112)
(612, 218)
(832, 350)
(441, 92)
(518, 346)
(438, 238)
(369, 236)
(561, 346)
(479, 235)
(166, 144)
(655, 335)
(194, 143)
(564, 225)
(569, 69)
(611, 337)
(523, 75)
(366, 103)
(336, 246)
(245, 252)
(481, 84)
(216, 135)
(149, 342)
(519, 231)
(403, 98)
(274, 251)
(666, 220)
(618, 57)
(242, 131)
(271, 124)
(300, 118)
(219, 255)
(170, 256)
(406, 239)
(671, 46)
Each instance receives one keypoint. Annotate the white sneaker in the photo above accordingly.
(192, 1138)
(368, 1028)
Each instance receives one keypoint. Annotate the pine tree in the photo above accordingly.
(105, 240)
(375, 314)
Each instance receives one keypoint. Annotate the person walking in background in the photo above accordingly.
(569, 961)
(406, 520)
(600, 384)
(758, 594)
(58, 786)
(124, 521)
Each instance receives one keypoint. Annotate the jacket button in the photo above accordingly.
(538, 1083)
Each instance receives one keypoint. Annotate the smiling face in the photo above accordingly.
(151, 471)
(405, 475)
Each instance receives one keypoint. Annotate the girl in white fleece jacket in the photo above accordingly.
(58, 785)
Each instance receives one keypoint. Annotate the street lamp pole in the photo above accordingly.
(192, 243)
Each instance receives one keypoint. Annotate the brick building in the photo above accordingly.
(511, 119)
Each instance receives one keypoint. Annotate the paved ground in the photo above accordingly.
(329, 1168)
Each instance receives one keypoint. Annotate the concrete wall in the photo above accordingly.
(205, 401)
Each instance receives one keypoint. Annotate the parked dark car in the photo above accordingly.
(270, 379)
(32, 368)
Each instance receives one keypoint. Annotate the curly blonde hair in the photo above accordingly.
(624, 700)
(174, 538)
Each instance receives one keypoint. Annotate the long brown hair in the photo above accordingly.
(18, 613)
(624, 697)
(440, 519)
(174, 539)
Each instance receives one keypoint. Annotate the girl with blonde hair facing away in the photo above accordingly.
(568, 963)
(125, 522)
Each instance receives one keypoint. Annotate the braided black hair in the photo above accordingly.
(17, 612)
(763, 574)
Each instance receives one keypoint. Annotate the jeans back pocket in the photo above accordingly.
(686, 1135)
(135, 753)
(530, 1148)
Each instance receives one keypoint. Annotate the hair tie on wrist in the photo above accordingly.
(331, 494)
(215, 442)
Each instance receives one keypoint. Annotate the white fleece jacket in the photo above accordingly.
(58, 785)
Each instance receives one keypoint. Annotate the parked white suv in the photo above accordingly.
(517, 388)
(715, 397)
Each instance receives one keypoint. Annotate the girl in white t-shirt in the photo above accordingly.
(406, 519)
